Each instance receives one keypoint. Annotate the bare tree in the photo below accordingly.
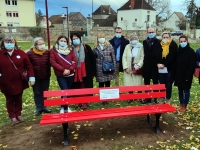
(162, 8)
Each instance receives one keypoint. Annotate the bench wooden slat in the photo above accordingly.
(82, 113)
(101, 114)
(85, 91)
(86, 99)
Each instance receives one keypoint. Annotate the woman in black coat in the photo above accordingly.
(186, 61)
(166, 62)
(86, 66)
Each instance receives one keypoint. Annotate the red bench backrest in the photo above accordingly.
(87, 95)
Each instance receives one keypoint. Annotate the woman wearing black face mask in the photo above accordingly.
(185, 66)
(86, 66)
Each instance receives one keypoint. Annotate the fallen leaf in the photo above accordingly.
(28, 128)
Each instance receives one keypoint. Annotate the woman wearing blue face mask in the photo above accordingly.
(13, 62)
(86, 66)
(39, 57)
(133, 60)
(186, 62)
(64, 62)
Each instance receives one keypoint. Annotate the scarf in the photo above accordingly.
(135, 49)
(150, 41)
(39, 52)
(62, 50)
(165, 47)
(80, 69)
(117, 43)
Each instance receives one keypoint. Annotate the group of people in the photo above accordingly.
(75, 65)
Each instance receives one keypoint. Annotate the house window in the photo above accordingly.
(14, 2)
(7, 2)
(16, 24)
(135, 19)
(121, 18)
(1, 24)
(8, 13)
(15, 14)
(148, 18)
(9, 24)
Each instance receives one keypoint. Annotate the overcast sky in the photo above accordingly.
(85, 6)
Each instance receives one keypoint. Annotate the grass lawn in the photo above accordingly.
(191, 118)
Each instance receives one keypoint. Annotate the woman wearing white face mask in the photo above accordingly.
(132, 59)
(39, 57)
(166, 64)
(103, 50)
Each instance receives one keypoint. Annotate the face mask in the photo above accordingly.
(41, 47)
(76, 42)
(9, 46)
(117, 35)
(134, 42)
(151, 35)
(183, 44)
(62, 44)
(165, 40)
(101, 40)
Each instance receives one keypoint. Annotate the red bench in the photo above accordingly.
(102, 95)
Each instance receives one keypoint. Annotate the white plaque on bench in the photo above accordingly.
(109, 94)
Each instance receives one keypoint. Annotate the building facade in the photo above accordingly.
(17, 13)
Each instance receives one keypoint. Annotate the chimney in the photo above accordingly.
(132, 3)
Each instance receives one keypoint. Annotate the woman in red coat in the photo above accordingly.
(64, 62)
(13, 62)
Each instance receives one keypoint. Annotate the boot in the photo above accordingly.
(183, 109)
(181, 106)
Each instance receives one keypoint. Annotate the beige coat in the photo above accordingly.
(131, 79)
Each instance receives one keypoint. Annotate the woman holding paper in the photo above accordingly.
(132, 62)
(166, 62)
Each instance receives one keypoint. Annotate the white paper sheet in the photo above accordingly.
(163, 70)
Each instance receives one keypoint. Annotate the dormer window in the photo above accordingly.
(121, 18)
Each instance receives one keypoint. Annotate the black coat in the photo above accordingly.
(150, 69)
(124, 42)
(90, 65)
(185, 66)
(170, 60)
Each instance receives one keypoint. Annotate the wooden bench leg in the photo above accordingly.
(65, 130)
(157, 127)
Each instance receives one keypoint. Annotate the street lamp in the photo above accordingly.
(68, 32)
(47, 22)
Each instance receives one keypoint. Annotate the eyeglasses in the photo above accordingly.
(118, 32)
(150, 32)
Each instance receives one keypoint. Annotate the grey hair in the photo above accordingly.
(8, 37)
(166, 33)
(35, 40)
(133, 35)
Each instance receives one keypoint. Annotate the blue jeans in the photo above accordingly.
(65, 82)
(184, 95)
(39, 87)
(165, 78)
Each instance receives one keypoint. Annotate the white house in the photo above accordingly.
(176, 21)
(136, 15)
(41, 21)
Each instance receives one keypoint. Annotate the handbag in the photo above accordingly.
(138, 72)
(196, 72)
(24, 74)
(107, 66)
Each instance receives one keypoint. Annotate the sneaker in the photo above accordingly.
(143, 101)
(20, 119)
(14, 121)
(156, 101)
(45, 110)
(129, 101)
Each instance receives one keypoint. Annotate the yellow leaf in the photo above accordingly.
(102, 139)
(75, 138)
(28, 128)
(75, 134)
(123, 137)
(118, 132)
(5, 146)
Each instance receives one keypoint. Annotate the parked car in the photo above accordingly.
(177, 32)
